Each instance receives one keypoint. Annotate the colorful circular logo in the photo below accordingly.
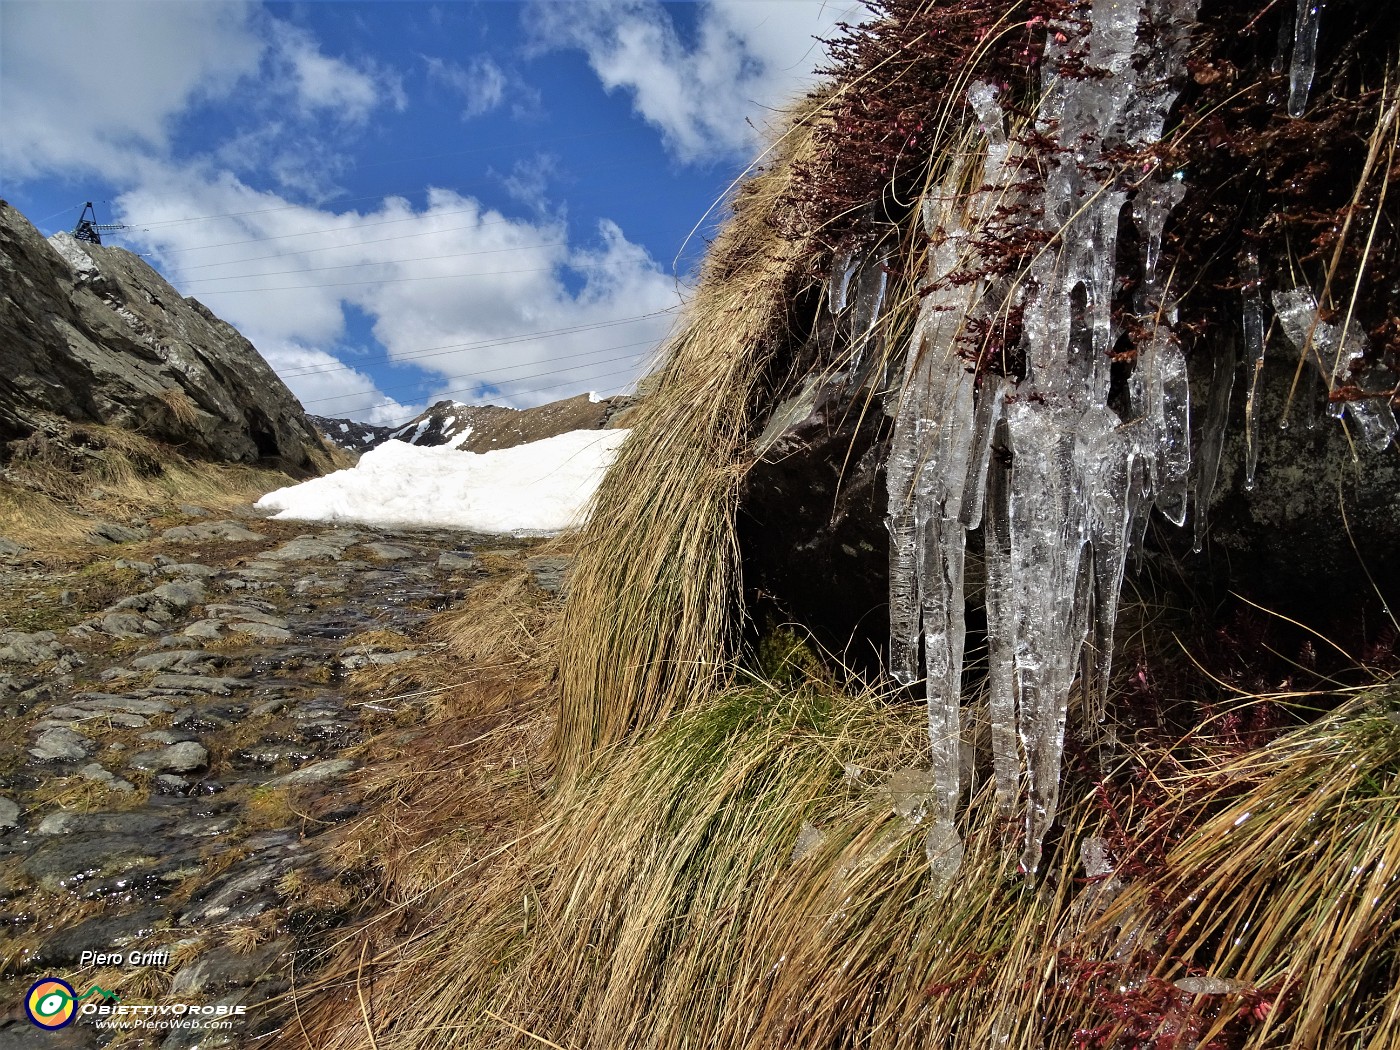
(51, 1003)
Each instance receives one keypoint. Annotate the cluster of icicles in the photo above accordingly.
(1059, 514)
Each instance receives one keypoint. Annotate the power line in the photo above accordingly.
(332, 247)
(436, 351)
(373, 262)
(345, 228)
(472, 375)
(382, 280)
(46, 218)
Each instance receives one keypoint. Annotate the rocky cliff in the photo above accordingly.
(92, 334)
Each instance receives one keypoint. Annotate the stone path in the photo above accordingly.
(167, 759)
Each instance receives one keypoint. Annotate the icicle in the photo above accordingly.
(1222, 382)
(944, 849)
(1059, 517)
(1104, 459)
(1253, 323)
(911, 427)
(1336, 358)
(1001, 631)
(983, 99)
(1304, 64)
(1151, 207)
(1104, 245)
(988, 411)
(1047, 536)
(866, 303)
(869, 295)
(940, 489)
(1174, 450)
(842, 268)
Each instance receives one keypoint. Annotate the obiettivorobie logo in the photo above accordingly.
(52, 1003)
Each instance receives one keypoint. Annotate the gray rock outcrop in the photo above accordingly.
(92, 334)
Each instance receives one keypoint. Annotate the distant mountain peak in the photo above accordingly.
(479, 428)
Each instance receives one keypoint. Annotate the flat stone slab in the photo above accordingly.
(188, 570)
(264, 632)
(180, 661)
(16, 647)
(98, 773)
(101, 703)
(127, 625)
(327, 547)
(61, 745)
(64, 861)
(390, 551)
(244, 613)
(135, 823)
(549, 573)
(315, 773)
(185, 757)
(197, 683)
(107, 929)
(220, 970)
(204, 532)
(180, 594)
(9, 814)
(239, 895)
(353, 661)
(111, 532)
(205, 630)
(458, 560)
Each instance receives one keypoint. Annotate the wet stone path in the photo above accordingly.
(168, 758)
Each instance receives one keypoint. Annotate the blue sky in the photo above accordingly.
(404, 201)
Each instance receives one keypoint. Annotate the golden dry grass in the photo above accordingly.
(49, 501)
(645, 632)
(181, 406)
(659, 903)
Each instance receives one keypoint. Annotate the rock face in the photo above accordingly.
(91, 334)
(481, 428)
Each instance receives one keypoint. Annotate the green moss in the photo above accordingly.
(785, 657)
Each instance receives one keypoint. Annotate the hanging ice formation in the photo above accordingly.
(1334, 351)
(1058, 520)
(1303, 66)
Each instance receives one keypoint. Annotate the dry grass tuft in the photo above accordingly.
(181, 406)
(645, 632)
(54, 489)
(1286, 892)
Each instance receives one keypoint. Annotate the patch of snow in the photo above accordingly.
(461, 439)
(593, 398)
(535, 489)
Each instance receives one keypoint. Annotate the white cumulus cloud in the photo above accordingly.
(710, 97)
(85, 85)
(489, 306)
